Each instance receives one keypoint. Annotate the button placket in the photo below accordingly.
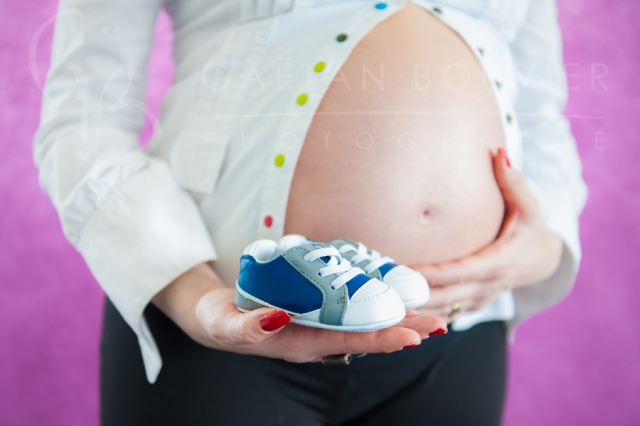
(271, 220)
(510, 130)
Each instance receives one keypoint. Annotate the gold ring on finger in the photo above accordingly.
(340, 359)
(455, 307)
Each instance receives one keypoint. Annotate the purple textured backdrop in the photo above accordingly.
(576, 364)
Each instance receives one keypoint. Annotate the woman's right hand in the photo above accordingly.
(207, 313)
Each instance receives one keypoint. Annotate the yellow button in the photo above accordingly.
(279, 160)
(302, 99)
(319, 66)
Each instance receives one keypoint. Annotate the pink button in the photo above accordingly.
(268, 221)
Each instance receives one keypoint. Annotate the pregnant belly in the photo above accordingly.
(398, 153)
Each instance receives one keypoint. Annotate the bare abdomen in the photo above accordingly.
(403, 163)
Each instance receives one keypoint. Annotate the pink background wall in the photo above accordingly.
(577, 364)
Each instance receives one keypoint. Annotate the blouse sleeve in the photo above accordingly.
(550, 162)
(119, 206)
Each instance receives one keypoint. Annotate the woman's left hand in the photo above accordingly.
(524, 253)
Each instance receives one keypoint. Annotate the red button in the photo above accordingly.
(268, 221)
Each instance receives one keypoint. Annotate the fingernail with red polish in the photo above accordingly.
(503, 154)
(438, 332)
(411, 346)
(274, 320)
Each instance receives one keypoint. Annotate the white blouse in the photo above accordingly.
(249, 76)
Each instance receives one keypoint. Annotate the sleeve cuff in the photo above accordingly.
(533, 299)
(143, 235)
(560, 219)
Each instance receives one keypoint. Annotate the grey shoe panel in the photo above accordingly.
(341, 241)
(337, 243)
(334, 302)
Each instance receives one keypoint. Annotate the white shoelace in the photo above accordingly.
(376, 260)
(337, 265)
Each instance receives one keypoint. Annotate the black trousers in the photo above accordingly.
(452, 379)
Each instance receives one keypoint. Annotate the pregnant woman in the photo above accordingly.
(431, 132)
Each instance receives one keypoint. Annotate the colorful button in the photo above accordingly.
(437, 10)
(268, 221)
(481, 50)
(341, 37)
(319, 66)
(302, 99)
(498, 84)
(509, 118)
(279, 160)
(381, 6)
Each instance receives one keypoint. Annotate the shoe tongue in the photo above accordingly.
(314, 246)
(341, 241)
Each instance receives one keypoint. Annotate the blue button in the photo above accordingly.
(381, 6)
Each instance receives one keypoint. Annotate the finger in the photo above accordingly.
(481, 302)
(502, 166)
(306, 344)
(258, 325)
(425, 325)
(412, 313)
(449, 314)
(382, 341)
(443, 298)
(508, 226)
(514, 190)
(409, 332)
(439, 312)
(485, 265)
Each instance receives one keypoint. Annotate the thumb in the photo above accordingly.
(256, 326)
(519, 200)
(224, 323)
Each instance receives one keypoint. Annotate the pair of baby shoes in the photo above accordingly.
(337, 285)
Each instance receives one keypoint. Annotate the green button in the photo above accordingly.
(509, 118)
(341, 37)
(279, 160)
(319, 66)
(437, 10)
(302, 99)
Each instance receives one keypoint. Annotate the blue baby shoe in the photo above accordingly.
(316, 286)
(411, 286)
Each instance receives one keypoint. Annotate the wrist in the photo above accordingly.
(555, 246)
(179, 299)
(545, 264)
